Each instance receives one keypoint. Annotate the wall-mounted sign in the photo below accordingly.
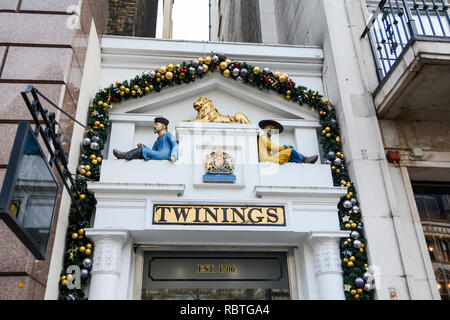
(223, 215)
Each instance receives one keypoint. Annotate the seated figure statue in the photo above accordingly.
(164, 148)
(281, 154)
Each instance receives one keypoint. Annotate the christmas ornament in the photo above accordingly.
(331, 155)
(236, 72)
(359, 282)
(337, 162)
(95, 146)
(354, 234)
(86, 142)
(347, 204)
(243, 72)
(87, 263)
(84, 274)
(357, 244)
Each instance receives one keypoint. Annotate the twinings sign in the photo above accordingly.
(223, 215)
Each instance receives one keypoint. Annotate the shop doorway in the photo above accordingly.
(215, 276)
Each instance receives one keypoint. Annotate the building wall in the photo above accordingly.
(132, 18)
(53, 62)
(238, 21)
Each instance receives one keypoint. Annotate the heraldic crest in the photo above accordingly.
(219, 166)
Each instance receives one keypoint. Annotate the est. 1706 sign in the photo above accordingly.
(223, 215)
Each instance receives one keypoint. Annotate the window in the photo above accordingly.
(433, 204)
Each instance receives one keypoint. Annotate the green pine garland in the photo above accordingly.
(354, 259)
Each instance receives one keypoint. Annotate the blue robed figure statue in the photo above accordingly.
(164, 148)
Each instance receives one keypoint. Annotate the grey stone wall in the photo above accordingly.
(241, 21)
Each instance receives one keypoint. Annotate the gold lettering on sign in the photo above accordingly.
(224, 215)
(212, 268)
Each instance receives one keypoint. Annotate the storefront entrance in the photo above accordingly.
(215, 276)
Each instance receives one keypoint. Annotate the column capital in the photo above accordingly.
(325, 246)
(108, 245)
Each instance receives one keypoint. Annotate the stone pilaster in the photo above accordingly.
(106, 263)
(327, 261)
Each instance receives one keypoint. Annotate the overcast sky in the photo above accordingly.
(191, 20)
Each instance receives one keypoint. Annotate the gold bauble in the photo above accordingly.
(285, 75)
(151, 87)
(205, 68)
(94, 162)
(82, 172)
(352, 258)
(63, 278)
(324, 132)
(158, 74)
(87, 167)
(82, 196)
(169, 75)
(354, 225)
(338, 170)
(87, 251)
(338, 139)
(359, 290)
(277, 74)
(345, 260)
(361, 250)
(350, 264)
(82, 249)
(88, 173)
(256, 70)
(223, 65)
(64, 282)
(283, 79)
(208, 60)
(328, 135)
(99, 159)
(228, 61)
(200, 60)
(353, 292)
(92, 156)
(136, 87)
(100, 103)
(127, 90)
(158, 79)
(91, 105)
(81, 231)
(162, 69)
(74, 235)
(288, 97)
(170, 67)
(97, 123)
(133, 93)
(226, 73)
(122, 88)
(89, 246)
(327, 129)
(288, 93)
(347, 226)
(147, 89)
(356, 296)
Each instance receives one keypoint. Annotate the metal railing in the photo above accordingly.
(396, 23)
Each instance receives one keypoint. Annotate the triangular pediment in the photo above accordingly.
(229, 96)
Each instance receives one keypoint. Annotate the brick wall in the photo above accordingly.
(37, 47)
(132, 18)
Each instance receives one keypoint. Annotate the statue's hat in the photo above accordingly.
(162, 120)
(277, 125)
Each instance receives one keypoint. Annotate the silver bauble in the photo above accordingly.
(236, 72)
(86, 142)
(195, 63)
(215, 58)
(266, 70)
(95, 146)
(243, 72)
(152, 74)
(354, 234)
(356, 209)
(359, 282)
(192, 70)
(347, 204)
(200, 70)
(87, 263)
(337, 161)
(368, 287)
(368, 277)
(357, 244)
(353, 201)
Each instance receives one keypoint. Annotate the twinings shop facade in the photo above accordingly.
(213, 189)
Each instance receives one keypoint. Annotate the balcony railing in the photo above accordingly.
(396, 23)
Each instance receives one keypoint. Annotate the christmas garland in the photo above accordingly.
(358, 281)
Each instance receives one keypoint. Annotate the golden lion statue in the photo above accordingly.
(207, 112)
